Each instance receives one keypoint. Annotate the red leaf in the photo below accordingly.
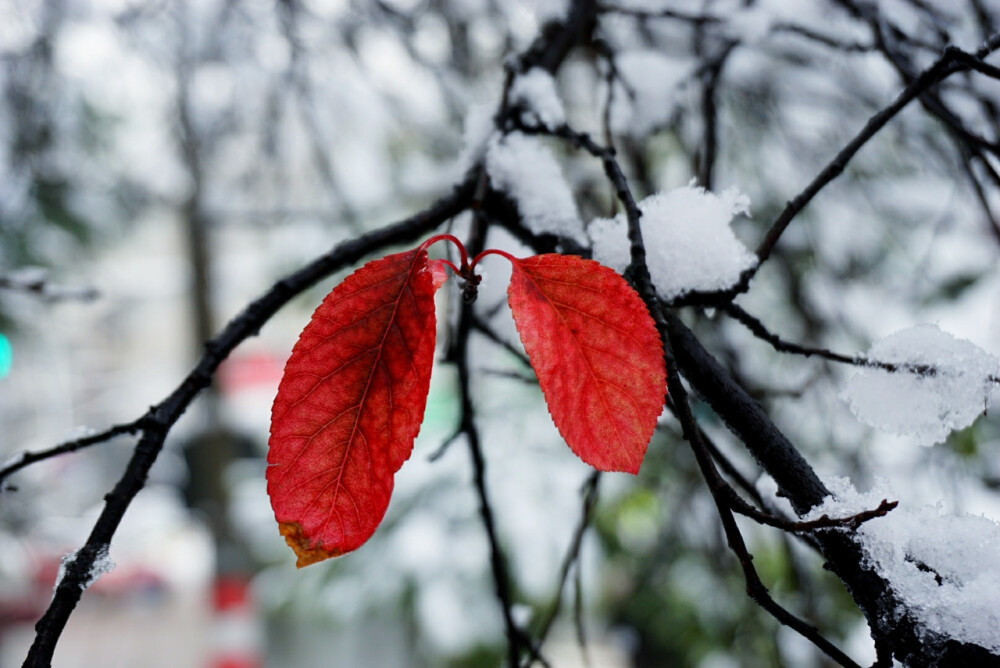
(350, 404)
(597, 355)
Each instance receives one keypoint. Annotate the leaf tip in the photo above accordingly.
(308, 553)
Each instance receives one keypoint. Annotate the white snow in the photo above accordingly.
(547, 10)
(476, 133)
(943, 566)
(925, 406)
(536, 91)
(689, 243)
(525, 169)
(102, 564)
(649, 94)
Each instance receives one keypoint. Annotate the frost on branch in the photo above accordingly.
(102, 565)
(525, 169)
(943, 567)
(689, 243)
(535, 91)
(941, 383)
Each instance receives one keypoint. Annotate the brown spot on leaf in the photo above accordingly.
(307, 551)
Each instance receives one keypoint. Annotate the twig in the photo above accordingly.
(33, 283)
(578, 624)
(29, 458)
(572, 556)
(758, 329)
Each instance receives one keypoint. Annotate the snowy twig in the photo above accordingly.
(758, 329)
(800, 485)
(724, 505)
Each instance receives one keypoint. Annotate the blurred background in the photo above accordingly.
(163, 163)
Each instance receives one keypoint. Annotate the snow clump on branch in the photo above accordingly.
(943, 567)
(689, 244)
(535, 92)
(525, 169)
(941, 383)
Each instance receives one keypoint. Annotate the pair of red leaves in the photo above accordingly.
(354, 389)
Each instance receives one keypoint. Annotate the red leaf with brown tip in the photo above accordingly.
(350, 404)
(597, 355)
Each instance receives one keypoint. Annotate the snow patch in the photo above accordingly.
(647, 95)
(102, 564)
(476, 133)
(546, 11)
(689, 243)
(928, 405)
(943, 567)
(536, 92)
(524, 168)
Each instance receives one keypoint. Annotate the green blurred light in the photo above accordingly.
(6, 356)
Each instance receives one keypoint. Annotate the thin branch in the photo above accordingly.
(28, 458)
(483, 328)
(517, 640)
(758, 329)
(821, 38)
(578, 624)
(572, 556)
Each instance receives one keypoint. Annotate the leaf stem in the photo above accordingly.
(451, 265)
(493, 251)
(453, 239)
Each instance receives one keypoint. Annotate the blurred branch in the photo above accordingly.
(697, 19)
(30, 281)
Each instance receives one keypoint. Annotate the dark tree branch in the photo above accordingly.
(895, 633)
